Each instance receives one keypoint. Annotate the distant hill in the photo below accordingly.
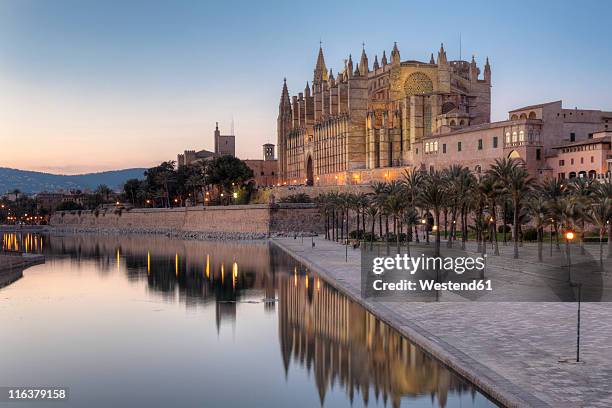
(34, 181)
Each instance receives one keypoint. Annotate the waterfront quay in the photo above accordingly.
(521, 354)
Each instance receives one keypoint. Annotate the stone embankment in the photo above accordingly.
(218, 222)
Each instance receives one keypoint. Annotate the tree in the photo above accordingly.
(538, 210)
(226, 172)
(599, 214)
(519, 185)
(432, 195)
(104, 192)
(131, 188)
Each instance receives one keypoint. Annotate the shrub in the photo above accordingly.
(368, 236)
(530, 234)
(402, 237)
(296, 198)
(356, 234)
(501, 229)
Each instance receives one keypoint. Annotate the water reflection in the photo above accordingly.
(22, 242)
(343, 349)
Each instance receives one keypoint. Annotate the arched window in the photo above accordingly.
(427, 147)
(513, 117)
(514, 155)
(521, 136)
(532, 115)
(435, 149)
(478, 169)
(462, 122)
(572, 175)
(514, 137)
(453, 123)
(507, 137)
(523, 116)
(592, 174)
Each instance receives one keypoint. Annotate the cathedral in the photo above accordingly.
(349, 128)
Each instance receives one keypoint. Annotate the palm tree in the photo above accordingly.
(433, 196)
(602, 191)
(599, 214)
(372, 211)
(396, 204)
(379, 190)
(570, 211)
(552, 190)
(410, 218)
(412, 182)
(538, 209)
(519, 185)
(500, 171)
(454, 175)
(582, 188)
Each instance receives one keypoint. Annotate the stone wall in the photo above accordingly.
(240, 221)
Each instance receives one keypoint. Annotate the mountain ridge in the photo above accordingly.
(30, 182)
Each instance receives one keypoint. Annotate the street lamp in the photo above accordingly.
(569, 236)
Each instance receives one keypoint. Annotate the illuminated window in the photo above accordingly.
(521, 136)
(435, 146)
(507, 137)
(514, 137)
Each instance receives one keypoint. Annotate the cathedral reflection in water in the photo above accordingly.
(320, 330)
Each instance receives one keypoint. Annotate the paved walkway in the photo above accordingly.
(519, 353)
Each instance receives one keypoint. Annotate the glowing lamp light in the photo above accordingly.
(434, 228)
(221, 194)
(235, 195)
(423, 221)
(569, 235)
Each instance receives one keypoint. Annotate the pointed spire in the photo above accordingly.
(375, 66)
(395, 54)
(363, 63)
(331, 76)
(432, 60)
(307, 89)
(349, 66)
(320, 71)
(442, 55)
(284, 101)
(383, 60)
(487, 71)
(473, 69)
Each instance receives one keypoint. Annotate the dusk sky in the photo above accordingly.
(97, 85)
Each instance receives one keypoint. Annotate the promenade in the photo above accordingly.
(519, 353)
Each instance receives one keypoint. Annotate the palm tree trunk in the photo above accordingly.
(610, 240)
(601, 234)
(372, 236)
(582, 250)
(515, 229)
(396, 226)
(437, 242)
(540, 242)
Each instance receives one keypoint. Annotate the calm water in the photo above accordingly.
(152, 321)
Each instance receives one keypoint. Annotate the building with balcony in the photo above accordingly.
(369, 125)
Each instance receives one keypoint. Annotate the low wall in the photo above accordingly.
(241, 221)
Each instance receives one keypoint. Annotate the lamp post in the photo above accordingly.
(552, 221)
(569, 236)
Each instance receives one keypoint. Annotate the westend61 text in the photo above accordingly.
(428, 285)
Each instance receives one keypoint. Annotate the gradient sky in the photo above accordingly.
(96, 85)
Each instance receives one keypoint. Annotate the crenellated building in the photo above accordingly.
(370, 123)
